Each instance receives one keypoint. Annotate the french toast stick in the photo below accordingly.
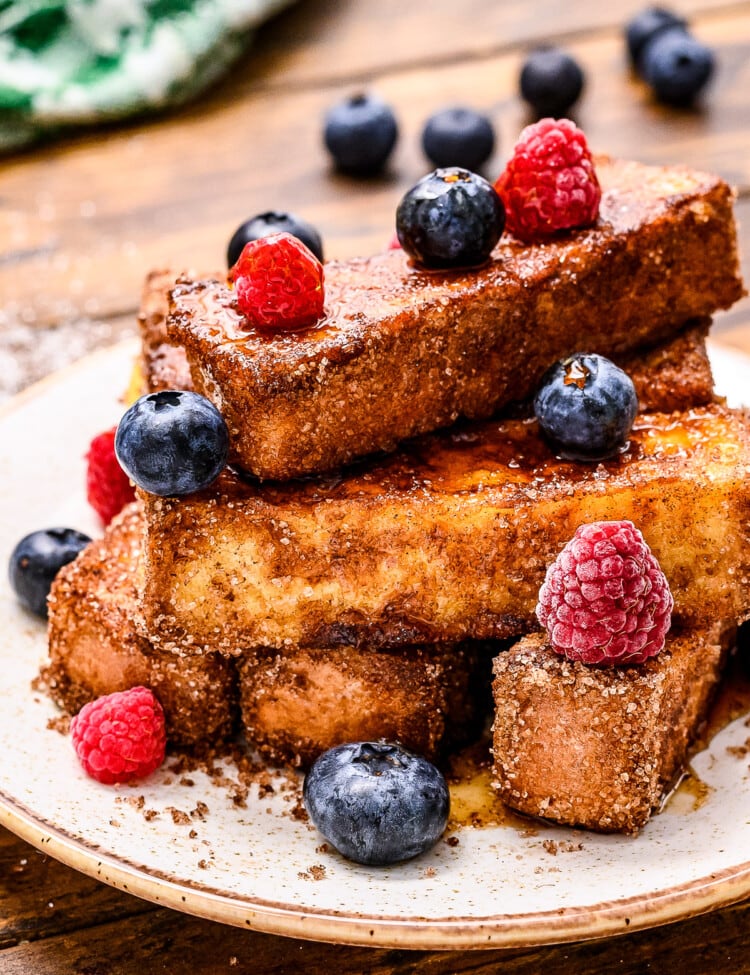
(599, 746)
(674, 374)
(402, 351)
(296, 703)
(447, 539)
(94, 649)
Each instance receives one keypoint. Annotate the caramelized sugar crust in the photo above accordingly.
(402, 351)
(674, 374)
(94, 648)
(445, 540)
(599, 746)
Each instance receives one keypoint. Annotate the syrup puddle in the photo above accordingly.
(690, 792)
(474, 803)
(688, 795)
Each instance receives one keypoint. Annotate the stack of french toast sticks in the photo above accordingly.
(378, 542)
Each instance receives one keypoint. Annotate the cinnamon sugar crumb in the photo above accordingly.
(561, 846)
(179, 817)
(316, 872)
(567, 847)
(739, 751)
(137, 802)
(298, 812)
(60, 724)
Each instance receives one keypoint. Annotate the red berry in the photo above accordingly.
(279, 283)
(550, 182)
(394, 244)
(108, 487)
(121, 736)
(605, 599)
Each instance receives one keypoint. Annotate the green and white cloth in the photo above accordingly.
(73, 62)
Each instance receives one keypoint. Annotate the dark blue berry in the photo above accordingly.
(677, 67)
(458, 137)
(585, 406)
(274, 222)
(551, 81)
(376, 802)
(37, 559)
(451, 219)
(645, 26)
(360, 134)
(172, 443)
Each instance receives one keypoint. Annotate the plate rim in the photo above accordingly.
(563, 925)
(555, 926)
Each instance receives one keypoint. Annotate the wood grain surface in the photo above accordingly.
(82, 221)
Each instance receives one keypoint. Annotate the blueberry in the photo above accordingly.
(37, 559)
(376, 802)
(458, 137)
(677, 67)
(274, 222)
(451, 219)
(360, 134)
(585, 406)
(551, 81)
(645, 26)
(172, 443)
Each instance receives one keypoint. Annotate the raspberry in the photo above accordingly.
(121, 736)
(605, 599)
(279, 283)
(550, 183)
(108, 487)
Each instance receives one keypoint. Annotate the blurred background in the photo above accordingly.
(86, 212)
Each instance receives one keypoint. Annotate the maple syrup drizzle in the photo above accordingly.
(576, 373)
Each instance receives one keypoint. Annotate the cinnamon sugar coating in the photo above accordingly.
(402, 351)
(94, 648)
(297, 703)
(445, 540)
(599, 746)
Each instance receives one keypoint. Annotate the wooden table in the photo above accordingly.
(83, 220)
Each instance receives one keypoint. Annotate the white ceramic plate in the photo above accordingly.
(258, 866)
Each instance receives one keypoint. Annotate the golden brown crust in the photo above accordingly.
(94, 648)
(672, 375)
(164, 366)
(403, 351)
(297, 703)
(598, 746)
(447, 539)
